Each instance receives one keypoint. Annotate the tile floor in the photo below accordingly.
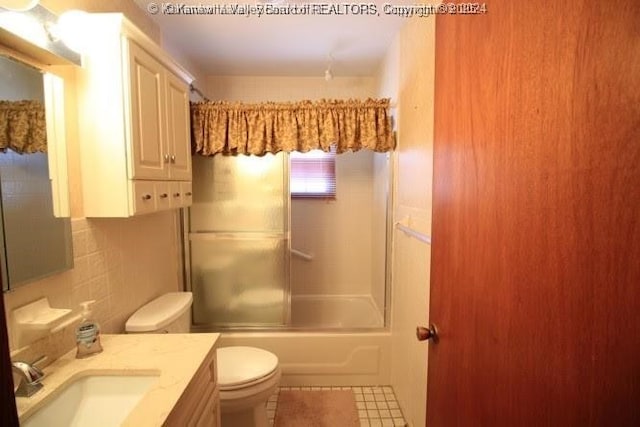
(377, 405)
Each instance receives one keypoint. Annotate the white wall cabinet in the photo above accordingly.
(133, 122)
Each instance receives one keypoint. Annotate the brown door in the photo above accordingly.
(536, 216)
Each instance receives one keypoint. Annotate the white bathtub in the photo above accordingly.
(335, 311)
(331, 357)
(323, 358)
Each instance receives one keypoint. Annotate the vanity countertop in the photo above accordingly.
(174, 357)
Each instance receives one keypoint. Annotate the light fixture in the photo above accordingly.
(328, 75)
(26, 26)
(18, 5)
(73, 29)
(36, 26)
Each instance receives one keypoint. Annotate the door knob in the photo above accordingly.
(430, 333)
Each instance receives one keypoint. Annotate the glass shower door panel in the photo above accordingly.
(239, 281)
(240, 194)
(239, 241)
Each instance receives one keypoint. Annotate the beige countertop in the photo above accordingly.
(175, 358)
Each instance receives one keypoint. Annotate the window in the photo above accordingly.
(313, 174)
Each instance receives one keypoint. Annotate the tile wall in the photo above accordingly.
(120, 263)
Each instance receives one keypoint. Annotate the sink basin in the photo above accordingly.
(96, 400)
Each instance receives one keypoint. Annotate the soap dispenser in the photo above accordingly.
(87, 333)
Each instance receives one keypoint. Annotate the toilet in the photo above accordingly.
(247, 376)
(168, 313)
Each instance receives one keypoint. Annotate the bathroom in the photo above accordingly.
(125, 263)
(111, 254)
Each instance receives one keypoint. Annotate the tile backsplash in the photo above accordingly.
(120, 263)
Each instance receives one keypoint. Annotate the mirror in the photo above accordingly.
(35, 240)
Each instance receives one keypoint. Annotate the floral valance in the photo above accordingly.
(23, 127)
(237, 128)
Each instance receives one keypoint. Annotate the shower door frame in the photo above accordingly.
(392, 160)
(287, 326)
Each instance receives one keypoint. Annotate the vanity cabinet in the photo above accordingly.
(199, 405)
(134, 123)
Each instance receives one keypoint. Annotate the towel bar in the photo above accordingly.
(413, 233)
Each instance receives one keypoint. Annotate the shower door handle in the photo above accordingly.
(430, 333)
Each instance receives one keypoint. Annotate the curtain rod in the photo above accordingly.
(197, 91)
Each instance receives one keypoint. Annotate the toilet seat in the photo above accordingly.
(243, 367)
(248, 384)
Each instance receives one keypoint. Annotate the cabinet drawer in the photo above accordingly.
(187, 195)
(176, 195)
(144, 197)
(152, 196)
(163, 194)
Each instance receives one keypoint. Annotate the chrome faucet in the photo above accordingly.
(30, 377)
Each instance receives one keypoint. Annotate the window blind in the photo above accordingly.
(313, 174)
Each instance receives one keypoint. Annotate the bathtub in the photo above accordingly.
(326, 355)
(335, 311)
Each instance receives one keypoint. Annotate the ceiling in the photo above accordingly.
(292, 45)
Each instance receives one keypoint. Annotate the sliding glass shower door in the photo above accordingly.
(239, 241)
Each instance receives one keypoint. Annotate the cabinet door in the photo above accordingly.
(178, 132)
(146, 150)
(199, 405)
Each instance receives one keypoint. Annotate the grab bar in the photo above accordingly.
(413, 233)
(300, 254)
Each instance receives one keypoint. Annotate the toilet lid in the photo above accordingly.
(242, 365)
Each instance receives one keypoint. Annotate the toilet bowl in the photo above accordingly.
(247, 377)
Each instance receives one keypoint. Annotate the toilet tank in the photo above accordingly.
(169, 313)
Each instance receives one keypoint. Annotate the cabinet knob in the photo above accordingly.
(166, 158)
(173, 159)
(176, 194)
(146, 197)
(164, 195)
(188, 194)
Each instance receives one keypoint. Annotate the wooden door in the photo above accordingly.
(150, 159)
(8, 412)
(178, 130)
(536, 216)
